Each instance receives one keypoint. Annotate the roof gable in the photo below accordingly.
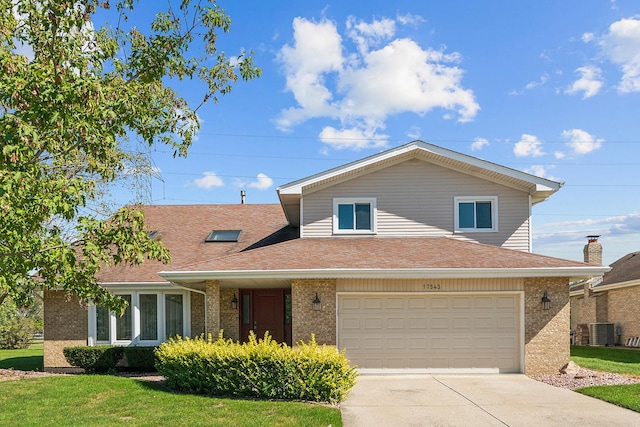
(291, 194)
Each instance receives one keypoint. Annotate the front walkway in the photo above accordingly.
(474, 400)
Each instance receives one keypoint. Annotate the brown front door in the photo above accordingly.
(263, 310)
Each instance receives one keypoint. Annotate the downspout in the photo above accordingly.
(198, 292)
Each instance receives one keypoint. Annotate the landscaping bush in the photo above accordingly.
(139, 359)
(94, 359)
(258, 368)
(111, 358)
(17, 332)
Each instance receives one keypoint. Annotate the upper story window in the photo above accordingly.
(476, 214)
(354, 216)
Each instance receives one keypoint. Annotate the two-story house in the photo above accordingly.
(416, 259)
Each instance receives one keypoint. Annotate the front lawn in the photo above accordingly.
(608, 359)
(627, 396)
(611, 359)
(90, 400)
(23, 360)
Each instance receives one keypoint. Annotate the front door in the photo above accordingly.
(265, 310)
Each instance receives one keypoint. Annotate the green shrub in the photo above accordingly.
(17, 332)
(111, 358)
(94, 359)
(140, 359)
(258, 368)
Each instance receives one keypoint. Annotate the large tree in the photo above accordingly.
(72, 94)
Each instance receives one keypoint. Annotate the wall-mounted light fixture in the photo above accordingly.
(234, 302)
(546, 301)
(317, 305)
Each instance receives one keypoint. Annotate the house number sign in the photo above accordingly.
(431, 286)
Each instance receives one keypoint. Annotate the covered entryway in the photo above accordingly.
(431, 332)
(266, 310)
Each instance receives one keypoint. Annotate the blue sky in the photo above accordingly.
(548, 87)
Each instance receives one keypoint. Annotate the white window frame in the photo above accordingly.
(360, 200)
(467, 199)
(135, 307)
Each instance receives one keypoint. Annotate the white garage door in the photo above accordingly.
(431, 332)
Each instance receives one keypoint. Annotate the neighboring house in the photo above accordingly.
(613, 298)
(416, 259)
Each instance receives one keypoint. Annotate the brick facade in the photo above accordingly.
(623, 306)
(304, 319)
(197, 314)
(213, 308)
(617, 306)
(65, 325)
(229, 320)
(546, 341)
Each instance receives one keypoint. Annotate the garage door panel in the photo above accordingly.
(351, 323)
(350, 303)
(439, 323)
(372, 303)
(417, 323)
(431, 331)
(395, 323)
(373, 323)
(439, 303)
(416, 304)
(395, 303)
(373, 344)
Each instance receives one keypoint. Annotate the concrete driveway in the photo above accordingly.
(474, 400)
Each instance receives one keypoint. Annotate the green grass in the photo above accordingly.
(23, 360)
(627, 396)
(611, 359)
(99, 400)
(608, 359)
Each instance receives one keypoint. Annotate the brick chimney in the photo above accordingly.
(593, 251)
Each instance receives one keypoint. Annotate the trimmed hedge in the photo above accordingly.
(111, 358)
(258, 368)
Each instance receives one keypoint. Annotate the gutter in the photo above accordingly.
(403, 273)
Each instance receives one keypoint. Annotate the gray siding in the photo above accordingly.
(416, 198)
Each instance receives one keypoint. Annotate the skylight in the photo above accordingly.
(223, 236)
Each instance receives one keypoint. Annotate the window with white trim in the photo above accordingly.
(354, 216)
(150, 318)
(476, 214)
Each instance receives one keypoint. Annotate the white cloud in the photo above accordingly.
(352, 138)
(576, 230)
(479, 144)
(362, 89)
(529, 145)
(559, 155)
(541, 171)
(543, 79)
(588, 37)
(414, 132)
(410, 19)
(364, 34)
(589, 83)
(581, 142)
(621, 45)
(208, 181)
(263, 182)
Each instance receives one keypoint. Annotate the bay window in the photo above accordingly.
(150, 318)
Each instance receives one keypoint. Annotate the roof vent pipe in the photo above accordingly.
(243, 195)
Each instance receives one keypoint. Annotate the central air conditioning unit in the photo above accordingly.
(601, 334)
